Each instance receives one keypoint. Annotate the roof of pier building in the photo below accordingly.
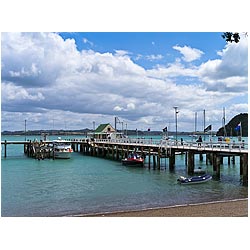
(104, 128)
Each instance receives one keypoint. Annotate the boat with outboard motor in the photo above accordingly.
(194, 179)
(133, 159)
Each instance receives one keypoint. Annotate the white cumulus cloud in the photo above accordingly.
(189, 54)
(230, 72)
(47, 76)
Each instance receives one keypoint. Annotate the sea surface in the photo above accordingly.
(87, 185)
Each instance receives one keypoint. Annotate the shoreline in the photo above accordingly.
(227, 208)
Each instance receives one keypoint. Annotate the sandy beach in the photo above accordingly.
(232, 208)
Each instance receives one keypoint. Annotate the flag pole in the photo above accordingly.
(204, 114)
(224, 122)
(240, 132)
(211, 134)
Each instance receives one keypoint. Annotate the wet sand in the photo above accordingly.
(233, 208)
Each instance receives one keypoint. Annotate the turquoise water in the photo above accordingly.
(85, 184)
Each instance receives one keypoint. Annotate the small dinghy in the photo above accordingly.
(194, 179)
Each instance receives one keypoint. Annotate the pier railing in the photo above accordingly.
(206, 146)
(227, 147)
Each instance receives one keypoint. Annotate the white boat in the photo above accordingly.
(62, 149)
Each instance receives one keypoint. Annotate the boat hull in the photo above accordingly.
(62, 155)
(133, 159)
(195, 179)
(128, 162)
(61, 149)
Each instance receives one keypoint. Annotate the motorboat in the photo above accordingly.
(133, 159)
(194, 179)
(62, 149)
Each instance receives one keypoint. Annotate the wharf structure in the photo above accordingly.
(153, 150)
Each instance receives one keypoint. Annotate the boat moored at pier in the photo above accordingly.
(62, 149)
(133, 159)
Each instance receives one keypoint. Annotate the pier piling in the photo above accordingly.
(245, 169)
(159, 158)
(172, 160)
(216, 165)
(201, 156)
(154, 162)
(149, 157)
(5, 149)
(190, 162)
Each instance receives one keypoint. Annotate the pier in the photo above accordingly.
(153, 150)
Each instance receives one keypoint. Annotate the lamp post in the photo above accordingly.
(176, 112)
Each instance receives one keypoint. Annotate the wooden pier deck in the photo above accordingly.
(155, 150)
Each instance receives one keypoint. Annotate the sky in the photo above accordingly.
(74, 80)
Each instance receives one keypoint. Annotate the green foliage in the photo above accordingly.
(230, 127)
(231, 37)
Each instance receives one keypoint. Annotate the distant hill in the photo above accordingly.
(86, 131)
(50, 132)
(230, 127)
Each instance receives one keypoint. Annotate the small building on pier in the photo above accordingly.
(104, 132)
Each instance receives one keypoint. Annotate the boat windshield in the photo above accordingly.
(134, 156)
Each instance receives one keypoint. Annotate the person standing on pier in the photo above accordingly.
(199, 141)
